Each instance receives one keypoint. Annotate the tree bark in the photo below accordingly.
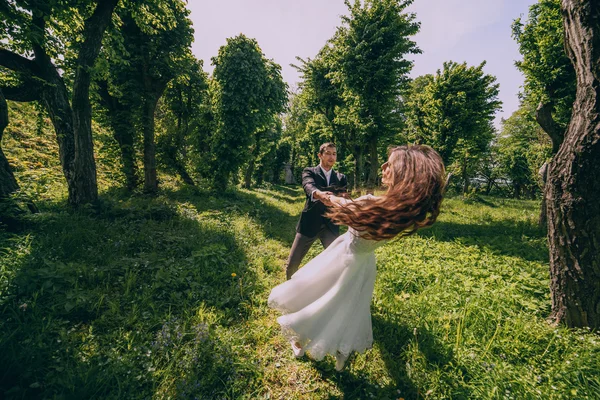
(85, 164)
(150, 178)
(358, 167)
(121, 117)
(8, 183)
(543, 116)
(465, 178)
(573, 187)
(374, 161)
(543, 174)
(248, 174)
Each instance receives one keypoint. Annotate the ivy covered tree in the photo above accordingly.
(452, 111)
(52, 62)
(247, 92)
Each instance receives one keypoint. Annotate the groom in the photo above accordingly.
(318, 182)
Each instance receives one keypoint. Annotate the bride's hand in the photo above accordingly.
(335, 201)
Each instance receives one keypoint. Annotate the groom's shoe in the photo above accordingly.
(340, 361)
(297, 349)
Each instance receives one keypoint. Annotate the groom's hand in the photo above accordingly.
(323, 197)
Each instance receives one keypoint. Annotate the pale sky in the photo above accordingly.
(457, 30)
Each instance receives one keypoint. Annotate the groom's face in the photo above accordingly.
(328, 157)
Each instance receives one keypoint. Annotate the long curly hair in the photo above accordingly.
(412, 201)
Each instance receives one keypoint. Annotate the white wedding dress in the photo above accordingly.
(326, 304)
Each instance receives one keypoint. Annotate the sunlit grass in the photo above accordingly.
(165, 297)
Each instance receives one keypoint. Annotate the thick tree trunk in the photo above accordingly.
(8, 183)
(573, 187)
(85, 164)
(55, 98)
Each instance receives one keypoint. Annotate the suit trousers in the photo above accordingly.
(301, 246)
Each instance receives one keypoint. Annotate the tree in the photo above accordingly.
(35, 28)
(8, 183)
(247, 91)
(452, 111)
(183, 100)
(155, 37)
(573, 187)
(522, 151)
(550, 82)
(549, 75)
(275, 92)
(369, 51)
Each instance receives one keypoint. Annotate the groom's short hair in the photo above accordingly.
(325, 146)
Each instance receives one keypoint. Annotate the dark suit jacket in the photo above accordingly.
(311, 219)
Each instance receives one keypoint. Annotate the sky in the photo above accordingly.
(451, 30)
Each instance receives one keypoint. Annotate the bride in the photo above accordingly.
(326, 304)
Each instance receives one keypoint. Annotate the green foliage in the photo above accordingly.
(522, 148)
(351, 90)
(369, 50)
(179, 123)
(452, 111)
(549, 74)
(247, 92)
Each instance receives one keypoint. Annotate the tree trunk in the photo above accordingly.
(248, 174)
(252, 163)
(543, 173)
(465, 178)
(516, 190)
(124, 134)
(374, 161)
(8, 183)
(573, 187)
(358, 167)
(121, 118)
(85, 164)
(55, 98)
(150, 179)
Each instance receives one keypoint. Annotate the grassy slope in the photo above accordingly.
(166, 298)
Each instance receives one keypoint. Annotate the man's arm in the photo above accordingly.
(310, 187)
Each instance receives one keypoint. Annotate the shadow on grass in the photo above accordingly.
(274, 222)
(392, 339)
(510, 238)
(92, 290)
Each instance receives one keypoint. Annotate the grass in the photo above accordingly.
(166, 298)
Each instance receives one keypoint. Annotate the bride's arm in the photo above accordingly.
(337, 201)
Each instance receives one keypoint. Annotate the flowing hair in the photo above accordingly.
(412, 201)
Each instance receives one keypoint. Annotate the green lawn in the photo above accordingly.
(166, 298)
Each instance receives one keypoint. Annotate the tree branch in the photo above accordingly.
(543, 116)
(26, 92)
(18, 63)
